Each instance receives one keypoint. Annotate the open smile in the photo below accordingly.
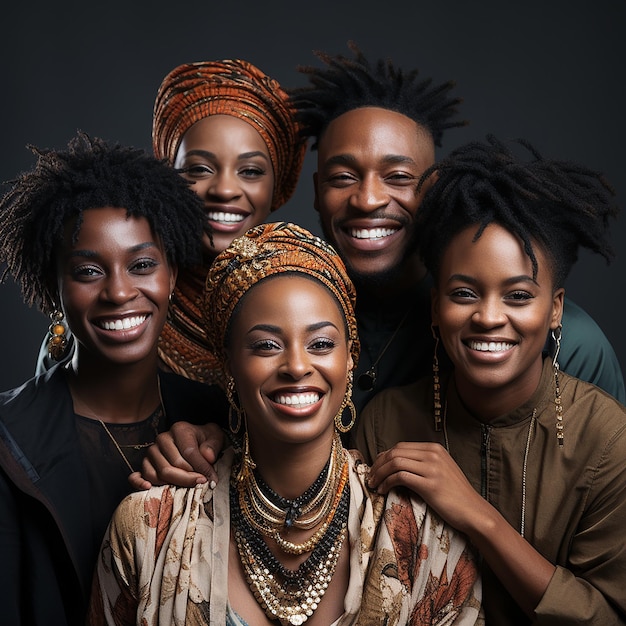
(223, 217)
(123, 323)
(490, 346)
(296, 399)
(372, 233)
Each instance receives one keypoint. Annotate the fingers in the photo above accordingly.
(414, 457)
(138, 482)
(183, 456)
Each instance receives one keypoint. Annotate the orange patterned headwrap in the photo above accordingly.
(267, 250)
(194, 91)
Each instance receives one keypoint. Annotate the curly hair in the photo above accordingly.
(558, 204)
(90, 174)
(346, 84)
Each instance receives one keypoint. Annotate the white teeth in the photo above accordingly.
(123, 324)
(219, 216)
(490, 346)
(297, 399)
(371, 233)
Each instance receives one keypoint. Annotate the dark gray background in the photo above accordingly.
(550, 71)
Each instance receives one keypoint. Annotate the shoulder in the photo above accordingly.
(587, 353)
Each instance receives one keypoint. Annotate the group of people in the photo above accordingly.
(402, 422)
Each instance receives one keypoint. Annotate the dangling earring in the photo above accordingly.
(57, 342)
(436, 381)
(235, 412)
(248, 465)
(347, 403)
(556, 336)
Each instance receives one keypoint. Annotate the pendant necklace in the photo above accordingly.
(367, 380)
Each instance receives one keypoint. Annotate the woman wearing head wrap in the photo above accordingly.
(229, 129)
(294, 535)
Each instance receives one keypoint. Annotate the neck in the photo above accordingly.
(114, 393)
(489, 403)
(392, 284)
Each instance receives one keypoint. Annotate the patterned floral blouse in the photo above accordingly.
(165, 560)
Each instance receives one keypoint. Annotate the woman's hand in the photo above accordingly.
(182, 456)
(428, 470)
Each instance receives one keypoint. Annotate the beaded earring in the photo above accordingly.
(347, 403)
(556, 337)
(436, 381)
(57, 341)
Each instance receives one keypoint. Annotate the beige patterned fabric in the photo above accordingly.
(164, 560)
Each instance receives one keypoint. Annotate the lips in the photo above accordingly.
(490, 346)
(371, 233)
(296, 399)
(224, 217)
(122, 323)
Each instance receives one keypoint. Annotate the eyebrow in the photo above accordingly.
(92, 254)
(271, 328)
(350, 159)
(207, 154)
(522, 278)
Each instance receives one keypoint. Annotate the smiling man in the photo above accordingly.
(375, 129)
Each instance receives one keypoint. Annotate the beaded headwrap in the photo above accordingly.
(194, 91)
(267, 250)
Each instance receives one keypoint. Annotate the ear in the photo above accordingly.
(173, 276)
(557, 308)
(316, 203)
(434, 306)
(350, 363)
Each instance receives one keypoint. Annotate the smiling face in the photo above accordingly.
(229, 167)
(493, 316)
(289, 356)
(369, 162)
(114, 284)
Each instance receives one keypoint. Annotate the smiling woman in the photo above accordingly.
(525, 459)
(94, 235)
(294, 535)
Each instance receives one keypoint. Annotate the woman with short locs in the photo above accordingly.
(290, 534)
(523, 458)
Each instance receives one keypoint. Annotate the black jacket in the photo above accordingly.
(46, 534)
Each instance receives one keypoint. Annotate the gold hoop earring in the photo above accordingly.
(235, 412)
(347, 403)
(436, 380)
(560, 431)
(57, 342)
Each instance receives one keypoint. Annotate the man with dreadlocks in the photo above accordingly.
(526, 460)
(94, 236)
(375, 129)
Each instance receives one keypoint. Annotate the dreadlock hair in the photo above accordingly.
(90, 174)
(558, 204)
(346, 84)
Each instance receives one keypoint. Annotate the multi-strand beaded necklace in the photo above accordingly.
(291, 596)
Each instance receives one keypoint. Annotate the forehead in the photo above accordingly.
(375, 129)
(232, 131)
(112, 224)
(497, 253)
(280, 293)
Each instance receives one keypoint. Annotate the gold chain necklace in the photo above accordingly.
(156, 416)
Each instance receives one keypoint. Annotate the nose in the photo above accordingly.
(370, 194)
(118, 288)
(296, 363)
(224, 185)
(489, 313)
